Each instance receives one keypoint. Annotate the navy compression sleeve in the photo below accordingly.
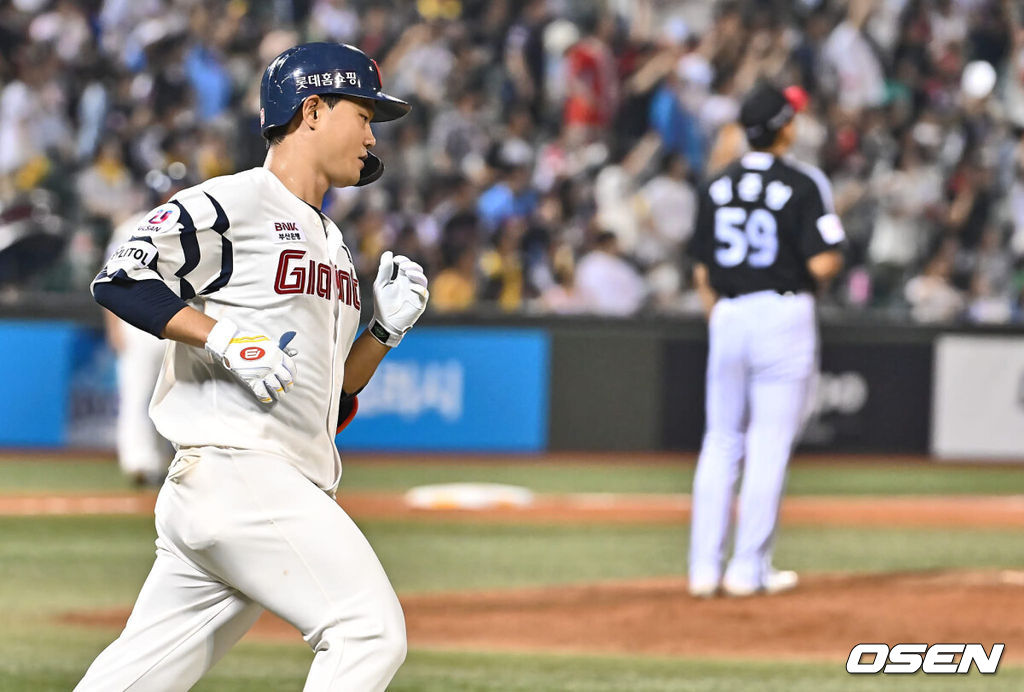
(148, 305)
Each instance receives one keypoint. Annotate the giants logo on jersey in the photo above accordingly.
(298, 275)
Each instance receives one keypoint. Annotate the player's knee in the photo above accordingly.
(382, 648)
(393, 649)
(391, 643)
(723, 445)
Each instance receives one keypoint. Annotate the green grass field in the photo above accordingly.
(848, 475)
(52, 565)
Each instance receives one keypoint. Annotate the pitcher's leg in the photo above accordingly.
(719, 462)
(182, 623)
(775, 418)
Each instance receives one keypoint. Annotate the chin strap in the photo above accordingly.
(373, 168)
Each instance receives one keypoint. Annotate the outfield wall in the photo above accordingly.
(494, 383)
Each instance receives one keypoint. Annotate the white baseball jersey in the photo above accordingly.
(243, 247)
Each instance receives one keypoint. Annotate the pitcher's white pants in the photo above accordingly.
(236, 533)
(761, 362)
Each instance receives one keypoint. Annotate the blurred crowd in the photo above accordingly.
(551, 160)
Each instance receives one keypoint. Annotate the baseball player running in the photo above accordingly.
(766, 236)
(255, 288)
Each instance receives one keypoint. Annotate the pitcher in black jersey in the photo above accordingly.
(766, 237)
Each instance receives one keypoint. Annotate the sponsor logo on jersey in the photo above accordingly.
(288, 232)
(296, 274)
(252, 353)
(137, 253)
(160, 219)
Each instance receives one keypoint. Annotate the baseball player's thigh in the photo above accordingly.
(183, 622)
(776, 414)
(785, 337)
(287, 545)
(783, 367)
(726, 383)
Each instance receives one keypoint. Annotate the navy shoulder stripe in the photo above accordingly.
(221, 225)
(190, 248)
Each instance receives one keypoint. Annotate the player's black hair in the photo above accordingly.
(764, 113)
(275, 135)
(765, 141)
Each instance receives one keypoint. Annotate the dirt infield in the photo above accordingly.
(821, 620)
(938, 511)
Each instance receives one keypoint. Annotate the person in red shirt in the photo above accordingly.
(593, 80)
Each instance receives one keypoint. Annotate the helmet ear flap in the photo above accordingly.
(373, 168)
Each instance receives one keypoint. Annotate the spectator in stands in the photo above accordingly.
(931, 295)
(667, 205)
(990, 295)
(511, 196)
(606, 283)
(519, 101)
(677, 126)
(106, 187)
(454, 288)
(907, 196)
(559, 296)
(501, 266)
(849, 63)
(592, 79)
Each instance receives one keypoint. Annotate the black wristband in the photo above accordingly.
(383, 335)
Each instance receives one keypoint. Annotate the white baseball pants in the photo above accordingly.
(237, 533)
(761, 363)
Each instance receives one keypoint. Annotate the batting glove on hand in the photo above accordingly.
(399, 298)
(266, 369)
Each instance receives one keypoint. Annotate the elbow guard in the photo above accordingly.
(347, 410)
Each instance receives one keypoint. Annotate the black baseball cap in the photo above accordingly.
(766, 109)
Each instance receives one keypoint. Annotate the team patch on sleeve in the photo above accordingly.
(137, 253)
(831, 229)
(162, 218)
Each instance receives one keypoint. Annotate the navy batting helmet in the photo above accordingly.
(325, 68)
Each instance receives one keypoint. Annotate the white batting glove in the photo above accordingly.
(399, 298)
(265, 368)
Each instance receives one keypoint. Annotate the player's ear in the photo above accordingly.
(309, 111)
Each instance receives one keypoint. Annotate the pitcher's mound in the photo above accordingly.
(822, 619)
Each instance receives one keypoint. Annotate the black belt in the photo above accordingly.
(780, 291)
